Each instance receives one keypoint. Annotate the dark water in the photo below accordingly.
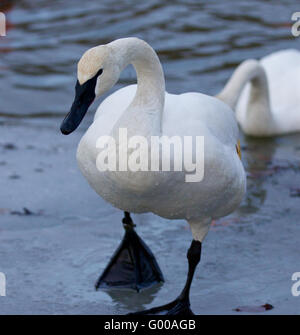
(199, 43)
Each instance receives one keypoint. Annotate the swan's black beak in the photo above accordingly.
(84, 97)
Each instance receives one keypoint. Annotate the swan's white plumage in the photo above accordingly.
(166, 193)
(283, 76)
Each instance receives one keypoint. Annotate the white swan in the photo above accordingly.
(270, 104)
(146, 109)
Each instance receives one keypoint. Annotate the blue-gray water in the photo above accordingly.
(53, 258)
(198, 42)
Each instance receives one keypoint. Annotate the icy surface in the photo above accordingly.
(53, 258)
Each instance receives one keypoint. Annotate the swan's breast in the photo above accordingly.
(166, 193)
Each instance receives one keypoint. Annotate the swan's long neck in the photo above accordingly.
(249, 70)
(257, 117)
(145, 112)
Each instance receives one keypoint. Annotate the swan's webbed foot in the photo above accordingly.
(181, 305)
(133, 265)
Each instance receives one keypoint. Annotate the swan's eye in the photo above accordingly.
(99, 72)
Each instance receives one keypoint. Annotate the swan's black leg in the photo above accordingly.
(133, 265)
(181, 305)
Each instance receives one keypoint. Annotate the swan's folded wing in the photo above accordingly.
(192, 114)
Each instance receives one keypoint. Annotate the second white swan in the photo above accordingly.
(266, 94)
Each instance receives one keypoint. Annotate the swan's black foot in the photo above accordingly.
(181, 305)
(176, 307)
(133, 265)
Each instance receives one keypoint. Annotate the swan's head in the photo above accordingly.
(97, 72)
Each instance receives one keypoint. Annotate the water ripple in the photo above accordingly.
(198, 44)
